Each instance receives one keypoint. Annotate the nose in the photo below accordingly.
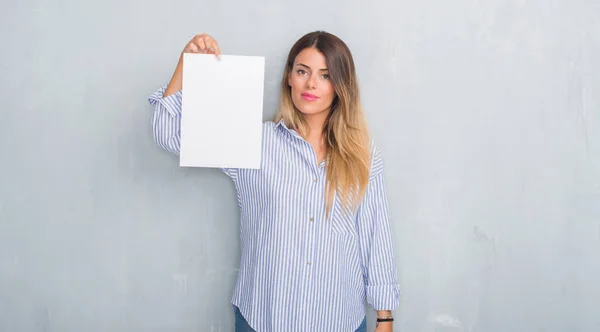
(311, 82)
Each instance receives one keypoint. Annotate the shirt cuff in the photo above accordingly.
(383, 297)
(171, 103)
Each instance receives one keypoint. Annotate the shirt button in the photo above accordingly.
(308, 263)
(316, 180)
(312, 219)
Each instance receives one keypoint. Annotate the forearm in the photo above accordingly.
(176, 81)
(384, 313)
(384, 326)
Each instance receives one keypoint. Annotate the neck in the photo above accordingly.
(314, 130)
(314, 134)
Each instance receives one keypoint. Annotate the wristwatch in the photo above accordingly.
(384, 319)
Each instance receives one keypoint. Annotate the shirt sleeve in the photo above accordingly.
(166, 123)
(376, 243)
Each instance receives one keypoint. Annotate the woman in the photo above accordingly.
(315, 236)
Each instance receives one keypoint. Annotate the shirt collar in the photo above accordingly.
(293, 132)
(281, 124)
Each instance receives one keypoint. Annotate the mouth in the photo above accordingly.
(309, 97)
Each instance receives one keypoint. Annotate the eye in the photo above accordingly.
(325, 76)
(301, 71)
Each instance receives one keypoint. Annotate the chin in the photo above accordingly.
(310, 109)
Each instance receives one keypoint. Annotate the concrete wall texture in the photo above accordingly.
(487, 114)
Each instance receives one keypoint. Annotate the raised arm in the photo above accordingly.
(166, 121)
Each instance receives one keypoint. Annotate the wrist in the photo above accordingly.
(384, 313)
(384, 318)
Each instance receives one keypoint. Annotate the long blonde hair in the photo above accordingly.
(345, 130)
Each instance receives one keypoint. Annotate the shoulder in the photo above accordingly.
(270, 125)
(376, 160)
(269, 130)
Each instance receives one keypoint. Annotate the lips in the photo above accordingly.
(309, 97)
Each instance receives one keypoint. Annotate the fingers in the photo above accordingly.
(212, 47)
(217, 50)
(204, 44)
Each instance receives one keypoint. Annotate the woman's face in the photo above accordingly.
(312, 90)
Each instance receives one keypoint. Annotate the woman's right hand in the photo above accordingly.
(203, 44)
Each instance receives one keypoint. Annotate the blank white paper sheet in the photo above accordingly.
(222, 107)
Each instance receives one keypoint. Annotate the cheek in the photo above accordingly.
(295, 82)
(329, 91)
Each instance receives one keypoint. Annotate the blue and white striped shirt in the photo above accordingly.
(299, 271)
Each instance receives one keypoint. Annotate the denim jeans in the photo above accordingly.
(241, 325)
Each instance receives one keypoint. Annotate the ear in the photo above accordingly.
(289, 78)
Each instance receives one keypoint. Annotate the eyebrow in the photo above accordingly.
(303, 65)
